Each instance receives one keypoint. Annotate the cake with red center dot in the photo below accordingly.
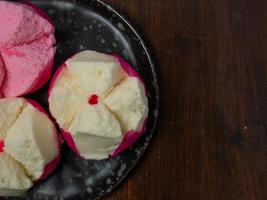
(29, 145)
(100, 103)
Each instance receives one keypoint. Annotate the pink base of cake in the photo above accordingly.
(52, 83)
(128, 68)
(49, 169)
(69, 139)
(36, 105)
(132, 136)
(129, 139)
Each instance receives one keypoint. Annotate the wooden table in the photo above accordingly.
(211, 141)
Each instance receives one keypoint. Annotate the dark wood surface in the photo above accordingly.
(211, 141)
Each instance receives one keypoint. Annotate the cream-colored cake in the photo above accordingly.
(29, 143)
(13, 177)
(97, 103)
(127, 101)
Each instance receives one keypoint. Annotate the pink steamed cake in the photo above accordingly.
(21, 24)
(37, 59)
(26, 46)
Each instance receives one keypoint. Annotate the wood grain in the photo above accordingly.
(211, 141)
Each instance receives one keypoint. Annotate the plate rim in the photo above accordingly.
(155, 75)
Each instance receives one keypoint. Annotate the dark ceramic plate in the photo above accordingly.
(91, 24)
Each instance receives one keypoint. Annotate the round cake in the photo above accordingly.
(100, 103)
(29, 145)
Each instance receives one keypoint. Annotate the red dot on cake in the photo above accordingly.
(93, 99)
(2, 145)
